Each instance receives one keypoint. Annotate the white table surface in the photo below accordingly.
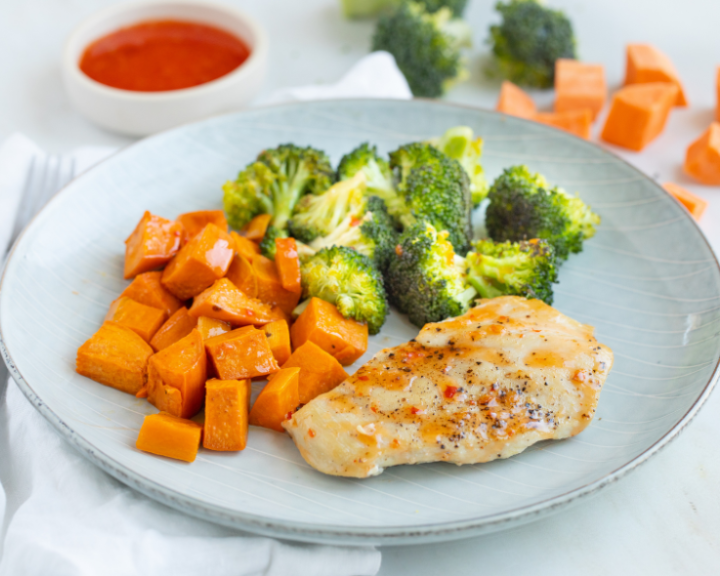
(662, 519)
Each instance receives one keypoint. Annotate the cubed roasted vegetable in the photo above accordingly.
(152, 244)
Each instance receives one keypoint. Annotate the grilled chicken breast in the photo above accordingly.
(482, 386)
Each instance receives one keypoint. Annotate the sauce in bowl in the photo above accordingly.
(162, 55)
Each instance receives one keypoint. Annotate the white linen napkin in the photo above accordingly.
(62, 516)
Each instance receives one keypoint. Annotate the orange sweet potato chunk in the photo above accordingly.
(141, 319)
(322, 324)
(288, 264)
(210, 327)
(514, 101)
(201, 261)
(578, 122)
(579, 86)
(277, 401)
(152, 244)
(245, 247)
(278, 336)
(255, 229)
(693, 203)
(241, 353)
(223, 301)
(270, 288)
(319, 371)
(638, 114)
(702, 159)
(646, 64)
(147, 289)
(177, 327)
(177, 375)
(242, 274)
(226, 415)
(115, 356)
(167, 435)
(194, 222)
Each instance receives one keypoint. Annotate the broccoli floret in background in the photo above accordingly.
(460, 143)
(528, 41)
(524, 268)
(267, 244)
(426, 46)
(426, 279)
(367, 8)
(435, 188)
(348, 280)
(523, 206)
(275, 182)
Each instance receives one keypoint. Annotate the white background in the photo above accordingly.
(662, 519)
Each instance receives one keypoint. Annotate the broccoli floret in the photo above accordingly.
(275, 182)
(528, 41)
(435, 188)
(267, 244)
(349, 280)
(460, 143)
(525, 268)
(523, 206)
(426, 279)
(367, 8)
(426, 46)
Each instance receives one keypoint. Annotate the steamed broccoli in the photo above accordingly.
(367, 8)
(426, 279)
(436, 188)
(275, 182)
(460, 143)
(267, 244)
(525, 268)
(426, 46)
(523, 206)
(349, 280)
(529, 40)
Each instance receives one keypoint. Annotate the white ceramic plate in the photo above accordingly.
(648, 281)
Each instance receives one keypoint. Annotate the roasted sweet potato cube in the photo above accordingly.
(177, 326)
(152, 244)
(194, 222)
(288, 264)
(147, 289)
(277, 401)
(321, 323)
(245, 247)
(115, 356)
(201, 261)
(319, 371)
(223, 301)
(210, 327)
(141, 319)
(270, 288)
(255, 229)
(242, 353)
(242, 274)
(278, 336)
(177, 375)
(167, 435)
(226, 415)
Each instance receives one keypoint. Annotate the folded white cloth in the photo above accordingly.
(62, 516)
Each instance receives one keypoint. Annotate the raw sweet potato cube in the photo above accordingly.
(177, 327)
(115, 356)
(278, 336)
(514, 101)
(255, 229)
(646, 64)
(693, 203)
(141, 319)
(226, 415)
(223, 301)
(210, 327)
(194, 222)
(319, 371)
(201, 261)
(152, 244)
(244, 246)
(288, 264)
(579, 86)
(241, 353)
(242, 274)
(638, 114)
(702, 159)
(147, 289)
(177, 375)
(578, 122)
(322, 324)
(167, 435)
(277, 401)
(270, 288)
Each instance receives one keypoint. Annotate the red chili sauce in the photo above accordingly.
(160, 55)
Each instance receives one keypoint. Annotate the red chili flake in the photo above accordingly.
(288, 415)
(450, 391)
(417, 410)
(311, 433)
(373, 408)
(354, 221)
(364, 378)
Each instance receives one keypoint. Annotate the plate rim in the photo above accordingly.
(329, 533)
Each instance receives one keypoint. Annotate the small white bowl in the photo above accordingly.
(143, 113)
